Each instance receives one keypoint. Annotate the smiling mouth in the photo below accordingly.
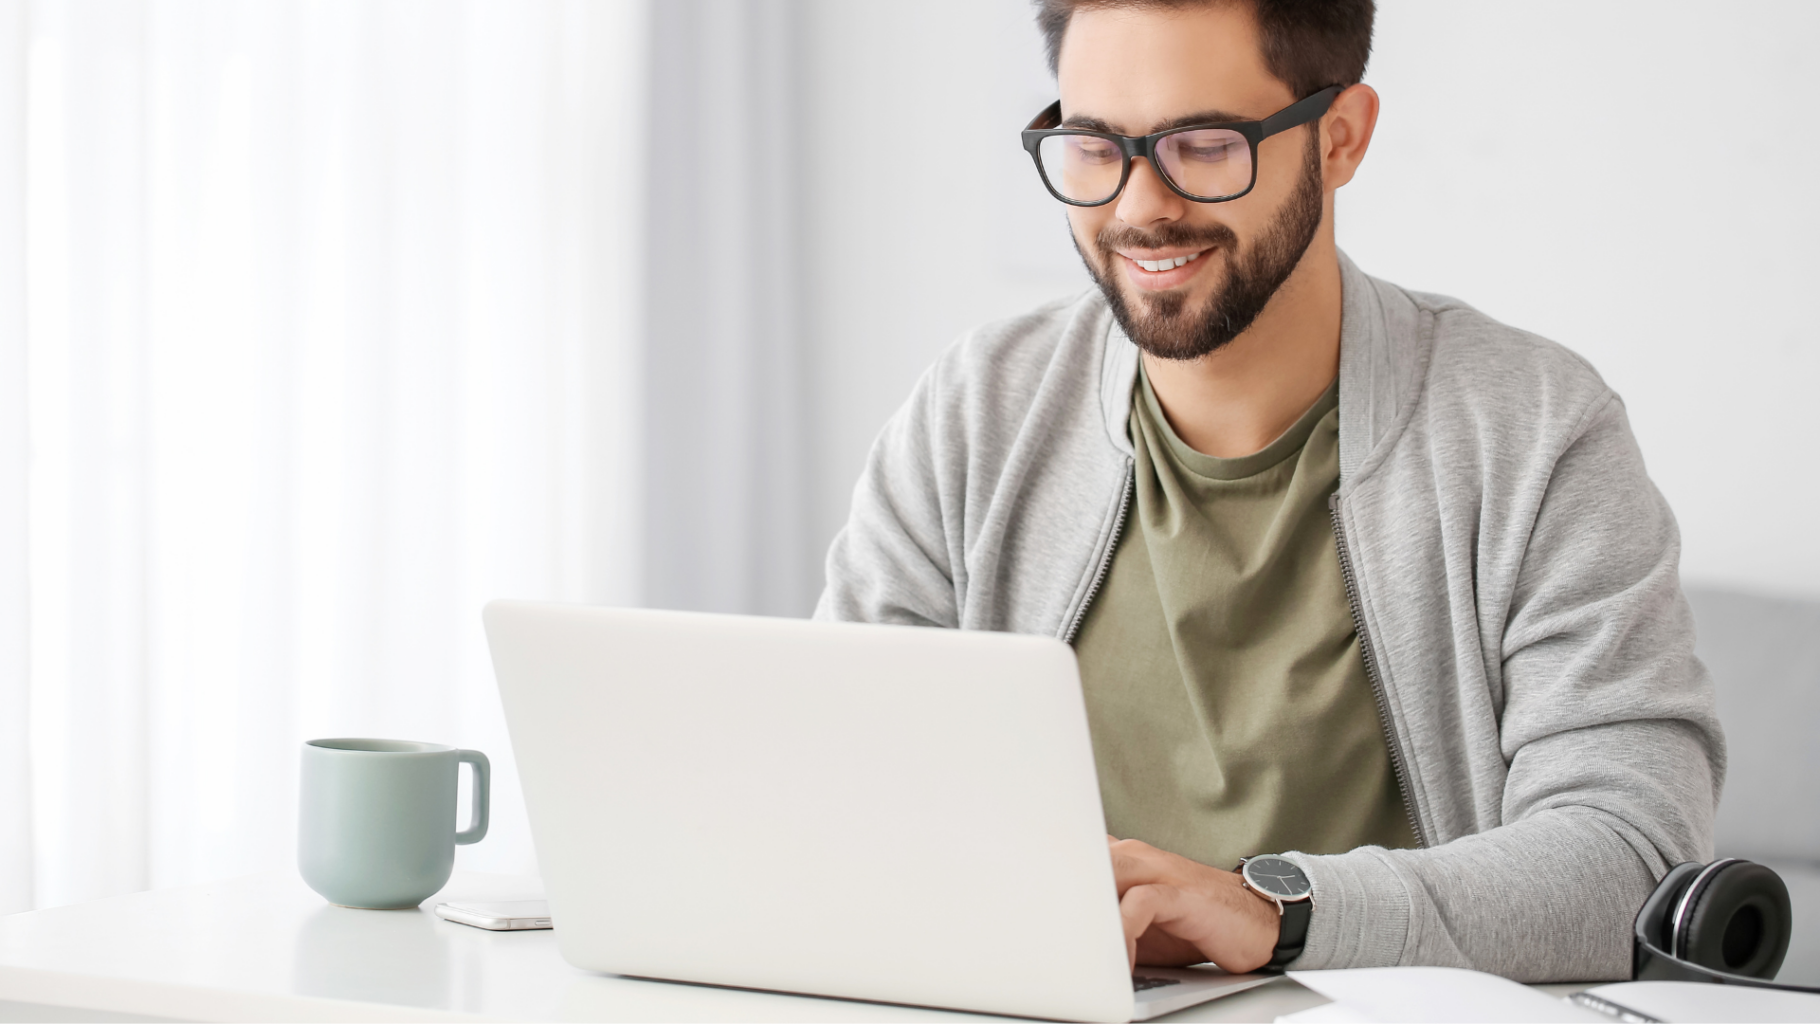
(1158, 266)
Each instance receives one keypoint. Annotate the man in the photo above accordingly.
(1355, 575)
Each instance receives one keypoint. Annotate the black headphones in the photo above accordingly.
(1726, 922)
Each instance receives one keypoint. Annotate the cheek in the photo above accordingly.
(1086, 222)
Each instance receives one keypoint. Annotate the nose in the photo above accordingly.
(1147, 200)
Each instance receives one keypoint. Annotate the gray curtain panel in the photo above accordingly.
(726, 468)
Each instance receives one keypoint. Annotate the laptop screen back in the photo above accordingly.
(875, 812)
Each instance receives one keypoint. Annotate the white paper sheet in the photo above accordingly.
(1420, 994)
(1326, 1013)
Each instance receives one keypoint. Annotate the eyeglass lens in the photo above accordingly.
(1208, 163)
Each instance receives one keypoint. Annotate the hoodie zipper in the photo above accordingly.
(1112, 545)
(1368, 652)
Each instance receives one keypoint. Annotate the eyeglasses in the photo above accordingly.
(1205, 163)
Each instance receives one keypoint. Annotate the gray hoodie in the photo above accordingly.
(1514, 579)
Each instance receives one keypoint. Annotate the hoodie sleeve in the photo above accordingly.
(892, 561)
(1611, 748)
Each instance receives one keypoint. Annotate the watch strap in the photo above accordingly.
(1294, 933)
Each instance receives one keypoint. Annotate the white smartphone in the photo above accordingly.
(519, 915)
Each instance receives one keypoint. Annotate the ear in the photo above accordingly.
(1346, 133)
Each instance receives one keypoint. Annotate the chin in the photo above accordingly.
(1176, 304)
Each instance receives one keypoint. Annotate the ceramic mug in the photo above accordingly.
(376, 823)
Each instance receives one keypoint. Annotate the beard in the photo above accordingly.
(1162, 324)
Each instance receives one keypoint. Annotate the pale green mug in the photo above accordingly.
(376, 823)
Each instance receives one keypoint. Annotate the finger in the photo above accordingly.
(1238, 940)
(1139, 908)
(1145, 908)
(1136, 863)
(1158, 948)
(1127, 872)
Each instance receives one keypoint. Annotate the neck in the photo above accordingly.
(1237, 400)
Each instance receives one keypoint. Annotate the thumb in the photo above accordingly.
(1137, 911)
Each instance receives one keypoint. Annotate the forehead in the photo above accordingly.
(1137, 67)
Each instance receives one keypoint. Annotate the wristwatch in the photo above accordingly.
(1285, 885)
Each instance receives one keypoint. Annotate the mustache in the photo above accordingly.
(1114, 237)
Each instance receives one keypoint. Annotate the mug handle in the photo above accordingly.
(483, 774)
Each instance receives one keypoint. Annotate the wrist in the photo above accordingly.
(1284, 888)
(1270, 925)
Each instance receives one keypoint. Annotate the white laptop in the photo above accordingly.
(869, 812)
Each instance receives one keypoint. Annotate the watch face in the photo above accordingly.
(1278, 877)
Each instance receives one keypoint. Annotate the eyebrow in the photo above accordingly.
(1094, 124)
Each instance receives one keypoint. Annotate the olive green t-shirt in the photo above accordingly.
(1228, 702)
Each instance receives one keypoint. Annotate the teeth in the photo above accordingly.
(1170, 264)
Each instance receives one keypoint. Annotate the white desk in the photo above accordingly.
(266, 948)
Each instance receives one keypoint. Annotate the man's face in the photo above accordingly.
(1137, 71)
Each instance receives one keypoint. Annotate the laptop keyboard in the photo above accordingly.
(1140, 982)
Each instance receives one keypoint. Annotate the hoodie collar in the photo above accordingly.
(1378, 368)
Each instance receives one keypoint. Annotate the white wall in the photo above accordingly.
(1673, 251)
(904, 255)
(1667, 243)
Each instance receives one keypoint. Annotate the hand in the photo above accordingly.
(1178, 912)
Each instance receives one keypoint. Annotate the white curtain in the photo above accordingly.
(318, 329)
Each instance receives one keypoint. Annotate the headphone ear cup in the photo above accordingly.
(1655, 921)
(1738, 922)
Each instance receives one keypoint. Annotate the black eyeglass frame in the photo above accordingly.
(1295, 115)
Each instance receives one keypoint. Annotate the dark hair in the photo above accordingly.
(1308, 44)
